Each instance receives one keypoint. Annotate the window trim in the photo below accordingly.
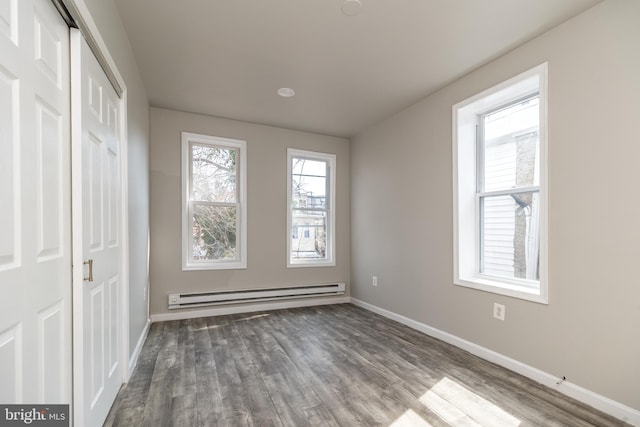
(187, 218)
(466, 243)
(330, 201)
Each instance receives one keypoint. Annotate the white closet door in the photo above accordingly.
(99, 312)
(35, 204)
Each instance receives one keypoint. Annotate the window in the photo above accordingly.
(214, 214)
(310, 206)
(500, 188)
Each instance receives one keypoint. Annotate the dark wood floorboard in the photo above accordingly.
(328, 366)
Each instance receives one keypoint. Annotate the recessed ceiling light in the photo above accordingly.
(286, 92)
(351, 7)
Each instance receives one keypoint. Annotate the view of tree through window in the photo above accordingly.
(309, 209)
(214, 200)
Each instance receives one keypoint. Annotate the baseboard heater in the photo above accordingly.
(201, 299)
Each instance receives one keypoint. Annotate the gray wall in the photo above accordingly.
(401, 178)
(106, 17)
(267, 215)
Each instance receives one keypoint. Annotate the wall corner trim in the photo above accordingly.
(597, 401)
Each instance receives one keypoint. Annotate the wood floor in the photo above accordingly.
(334, 365)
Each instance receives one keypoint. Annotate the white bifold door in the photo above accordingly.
(48, 75)
(97, 241)
(35, 205)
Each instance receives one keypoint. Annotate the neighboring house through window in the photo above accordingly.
(214, 213)
(500, 188)
(310, 206)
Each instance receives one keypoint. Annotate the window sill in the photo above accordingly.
(505, 288)
(215, 266)
(311, 264)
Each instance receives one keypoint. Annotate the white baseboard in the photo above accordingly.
(602, 403)
(247, 308)
(133, 360)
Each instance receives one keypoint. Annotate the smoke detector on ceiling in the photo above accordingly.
(286, 92)
(351, 7)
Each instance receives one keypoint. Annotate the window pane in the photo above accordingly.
(214, 173)
(511, 147)
(309, 235)
(308, 183)
(214, 232)
(510, 236)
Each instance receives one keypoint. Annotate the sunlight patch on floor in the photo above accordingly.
(459, 406)
(244, 319)
(410, 419)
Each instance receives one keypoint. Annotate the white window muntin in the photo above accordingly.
(328, 210)
(239, 261)
(467, 233)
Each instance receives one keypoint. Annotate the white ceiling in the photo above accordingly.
(227, 58)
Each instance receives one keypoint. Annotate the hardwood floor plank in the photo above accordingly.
(208, 397)
(319, 416)
(259, 402)
(185, 383)
(165, 373)
(132, 397)
(350, 379)
(326, 380)
(289, 407)
(183, 410)
(327, 366)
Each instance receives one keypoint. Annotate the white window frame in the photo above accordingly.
(466, 209)
(188, 263)
(329, 261)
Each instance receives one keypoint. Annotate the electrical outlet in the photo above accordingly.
(374, 281)
(498, 311)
